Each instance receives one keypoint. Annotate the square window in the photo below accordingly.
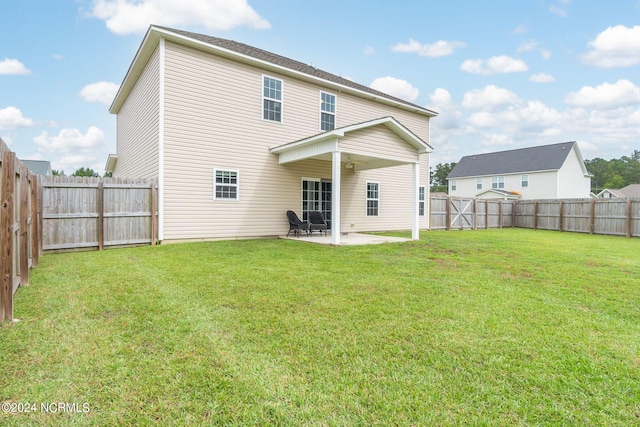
(225, 184)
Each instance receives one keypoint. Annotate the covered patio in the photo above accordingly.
(351, 239)
(375, 144)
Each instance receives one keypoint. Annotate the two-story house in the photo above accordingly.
(554, 171)
(236, 136)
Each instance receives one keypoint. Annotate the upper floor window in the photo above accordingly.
(525, 180)
(271, 99)
(497, 182)
(454, 185)
(327, 111)
(478, 183)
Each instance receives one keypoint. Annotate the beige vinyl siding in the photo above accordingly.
(378, 142)
(138, 126)
(213, 120)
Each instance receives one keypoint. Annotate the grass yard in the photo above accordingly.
(492, 327)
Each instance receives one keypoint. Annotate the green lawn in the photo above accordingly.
(492, 327)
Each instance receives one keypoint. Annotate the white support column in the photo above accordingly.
(415, 215)
(335, 198)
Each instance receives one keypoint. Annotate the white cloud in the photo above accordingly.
(13, 66)
(102, 92)
(531, 46)
(527, 46)
(558, 11)
(489, 98)
(70, 140)
(622, 93)
(396, 87)
(520, 29)
(368, 50)
(495, 65)
(542, 78)
(448, 112)
(617, 46)
(12, 118)
(135, 16)
(434, 50)
(70, 149)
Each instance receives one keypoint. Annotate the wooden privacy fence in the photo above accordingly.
(20, 227)
(470, 214)
(87, 212)
(619, 217)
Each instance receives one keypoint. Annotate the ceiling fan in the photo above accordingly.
(349, 164)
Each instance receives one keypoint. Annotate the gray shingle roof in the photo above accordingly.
(542, 158)
(38, 167)
(291, 64)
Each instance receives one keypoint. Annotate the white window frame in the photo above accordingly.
(267, 98)
(497, 182)
(236, 185)
(478, 183)
(372, 199)
(333, 113)
(422, 191)
(524, 180)
(454, 185)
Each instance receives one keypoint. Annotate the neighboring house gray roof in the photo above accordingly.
(290, 64)
(38, 167)
(631, 190)
(532, 159)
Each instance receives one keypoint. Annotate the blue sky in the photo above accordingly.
(502, 74)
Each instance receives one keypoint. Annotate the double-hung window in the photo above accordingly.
(327, 111)
(497, 182)
(225, 185)
(373, 198)
(454, 185)
(478, 183)
(271, 99)
(421, 200)
(525, 180)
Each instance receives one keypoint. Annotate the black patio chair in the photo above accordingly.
(317, 222)
(296, 225)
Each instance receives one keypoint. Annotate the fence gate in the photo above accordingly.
(462, 213)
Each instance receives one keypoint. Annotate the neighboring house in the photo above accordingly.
(38, 167)
(631, 190)
(236, 136)
(554, 171)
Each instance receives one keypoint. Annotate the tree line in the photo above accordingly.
(614, 173)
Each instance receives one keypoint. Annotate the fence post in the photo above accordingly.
(100, 207)
(448, 212)
(24, 226)
(486, 214)
(154, 217)
(561, 216)
(500, 214)
(514, 205)
(629, 214)
(592, 217)
(535, 215)
(6, 234)
(33, 188)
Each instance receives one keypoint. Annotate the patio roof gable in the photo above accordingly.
(327, 142)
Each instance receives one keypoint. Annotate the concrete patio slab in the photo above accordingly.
(347, 239)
